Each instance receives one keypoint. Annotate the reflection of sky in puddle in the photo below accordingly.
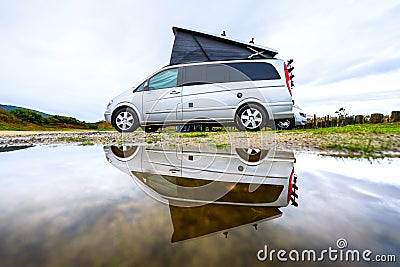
(68, 206)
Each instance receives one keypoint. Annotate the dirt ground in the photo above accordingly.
(342, 144)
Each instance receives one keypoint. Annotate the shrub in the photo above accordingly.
(28, 115)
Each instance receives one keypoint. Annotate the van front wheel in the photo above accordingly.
(125, 120)
(251, 117)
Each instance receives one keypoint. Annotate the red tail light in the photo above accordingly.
(287, 79)
(290, 188)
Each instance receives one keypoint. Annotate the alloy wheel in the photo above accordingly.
(124, 120)
(251, 118)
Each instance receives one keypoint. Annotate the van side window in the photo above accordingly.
(194, 75)
(255, 71)
(165, 79)
(229, 72)
(203, 74)
(216, 73)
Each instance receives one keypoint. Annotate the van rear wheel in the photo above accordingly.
(251, 117)
(125, 120)
(286, 124)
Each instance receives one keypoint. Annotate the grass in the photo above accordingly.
(352, 146)
(12, 123)
(361, 140)
(153, 139)
(390, 128)
(87, 143)
(26, 126)
(222, 145)
(193, 134)
(70, 139)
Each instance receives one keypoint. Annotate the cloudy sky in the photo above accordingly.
(72, 57)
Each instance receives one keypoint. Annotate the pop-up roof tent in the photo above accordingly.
(193, 46)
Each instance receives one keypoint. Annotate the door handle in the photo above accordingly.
(173, 92)
(174, 170)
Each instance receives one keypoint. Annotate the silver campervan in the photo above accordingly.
(233, 84)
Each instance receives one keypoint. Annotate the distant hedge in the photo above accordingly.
(28, 115)
(34, 117)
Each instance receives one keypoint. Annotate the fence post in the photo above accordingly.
(376, 118)
(315, 121)
(395, 116)
(359, 119)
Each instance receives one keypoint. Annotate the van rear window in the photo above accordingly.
(229, 72)
(254, 71)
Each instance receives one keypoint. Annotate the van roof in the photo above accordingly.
(193, 46)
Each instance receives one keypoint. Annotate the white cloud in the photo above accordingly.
(361, 95)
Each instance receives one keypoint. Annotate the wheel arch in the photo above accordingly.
(126, 105)
(254, 102)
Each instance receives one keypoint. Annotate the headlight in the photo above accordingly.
(109, 103)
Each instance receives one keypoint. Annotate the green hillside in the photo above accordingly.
(22, 119)
(11, 107)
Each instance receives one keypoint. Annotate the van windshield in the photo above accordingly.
(140, 88)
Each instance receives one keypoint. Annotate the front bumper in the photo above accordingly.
(299, 120)
(107, 116)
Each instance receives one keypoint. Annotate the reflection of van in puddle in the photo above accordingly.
(193, 222)
(234, 176)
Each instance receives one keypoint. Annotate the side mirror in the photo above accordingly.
(146, 86)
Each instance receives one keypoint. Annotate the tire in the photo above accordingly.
(251, 117)
(251, 154)
(286, 124)
(125, 120)
(151, 129)
(123, 151)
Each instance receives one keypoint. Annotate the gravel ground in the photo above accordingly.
(46, 138)
(342, 144)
